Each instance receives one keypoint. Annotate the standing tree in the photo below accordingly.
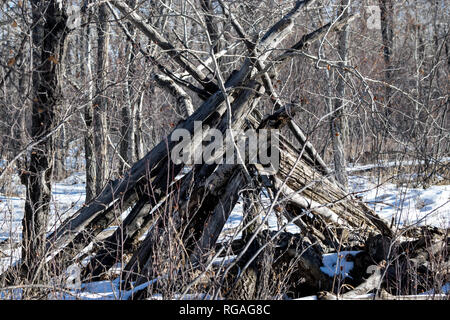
(100, 103)
(48, 35)
(338, 121)
(128, 129)
(387, 34)
(88, 112)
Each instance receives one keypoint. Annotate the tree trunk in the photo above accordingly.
(128, 129)
(138, 138)
(88, 110)
(101, 101)
(60, 154)
(48, 35)
(387, 34)
(338, 121)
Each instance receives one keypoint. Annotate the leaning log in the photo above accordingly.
(321, 195)
(212, 109)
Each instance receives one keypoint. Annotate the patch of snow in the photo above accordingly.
(351, 167)
(336, 264)
(405, 206)
(444, 290)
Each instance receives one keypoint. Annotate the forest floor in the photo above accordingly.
(398, 203)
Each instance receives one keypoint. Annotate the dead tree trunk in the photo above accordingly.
(209, 113)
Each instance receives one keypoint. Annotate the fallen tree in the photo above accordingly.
(176, 213)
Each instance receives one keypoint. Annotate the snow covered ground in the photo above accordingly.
(402, 205)
(389, 164)
(405, 206)
(68, 196)
(337, 264)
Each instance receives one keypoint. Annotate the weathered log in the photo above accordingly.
(149, 181)
(139, 218)
(184, 101)
(212, 226)
(370, 284)
(278, 261)
(209, 113)
(317, 189)
(114, 192)
(209, 206)
(66, 233)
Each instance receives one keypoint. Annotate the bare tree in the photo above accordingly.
(338, 119)
(48, 35)
(128, 130)
(387, 33)
(89, 143)
(100, 105)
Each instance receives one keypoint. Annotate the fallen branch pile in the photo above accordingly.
(174, 216)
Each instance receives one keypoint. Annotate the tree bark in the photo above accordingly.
(128, 129)
(89, 146)
(48, 35)
(101, 101)
(387, 34)
(338, 121)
